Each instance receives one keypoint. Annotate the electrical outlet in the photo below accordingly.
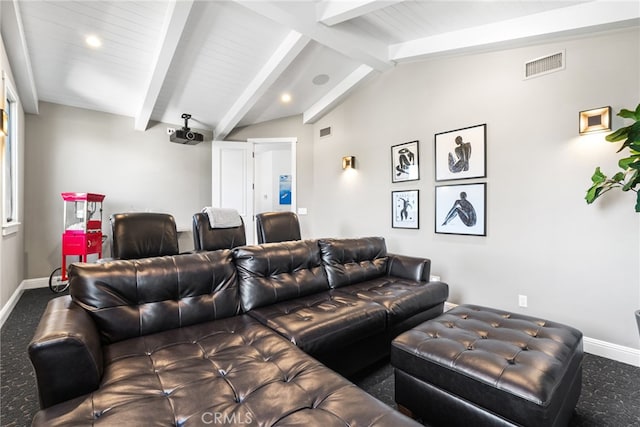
(170, 131)
(522, 300)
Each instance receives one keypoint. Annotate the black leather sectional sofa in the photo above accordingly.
(251, 336)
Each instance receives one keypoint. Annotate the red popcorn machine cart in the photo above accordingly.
(82, 233)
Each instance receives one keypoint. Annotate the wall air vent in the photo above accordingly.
(325, 132)
(541, 66)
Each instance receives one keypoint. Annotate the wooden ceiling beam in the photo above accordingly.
(333, 12)
(173, 27)
(360, 48)
(571, 20)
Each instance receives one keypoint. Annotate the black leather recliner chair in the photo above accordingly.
(206, 238)
(277, 227)
(143, 235)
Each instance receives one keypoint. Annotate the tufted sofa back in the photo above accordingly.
(130, 298)
(350, 261)
(275, 272)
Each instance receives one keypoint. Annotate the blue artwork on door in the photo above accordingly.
(285, 190)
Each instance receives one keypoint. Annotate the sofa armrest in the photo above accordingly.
(65, 352)
(408, 267)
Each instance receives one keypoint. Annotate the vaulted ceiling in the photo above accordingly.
(228, 63)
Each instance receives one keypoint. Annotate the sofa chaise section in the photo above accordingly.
(233, 370)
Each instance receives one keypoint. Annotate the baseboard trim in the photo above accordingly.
(41, 282)
(8, 307)
(628, 355)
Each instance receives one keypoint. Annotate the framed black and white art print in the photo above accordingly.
(405, 209)
(404, 162)
(461, 153)
(461, 209)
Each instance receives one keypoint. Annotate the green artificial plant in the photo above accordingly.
(629, 177)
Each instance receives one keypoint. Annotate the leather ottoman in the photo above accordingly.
(482, 366)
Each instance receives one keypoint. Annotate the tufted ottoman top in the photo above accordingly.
(501, 361)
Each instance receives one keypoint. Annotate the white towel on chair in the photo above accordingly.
(222, 218)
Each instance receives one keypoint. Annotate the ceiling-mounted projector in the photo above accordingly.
(186, 135)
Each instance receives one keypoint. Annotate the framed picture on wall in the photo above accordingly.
(284, 190)
(461, 209)
(404, 162)
(405, 209)
(461, 153)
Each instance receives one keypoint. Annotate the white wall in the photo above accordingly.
(12, 245)
(578, 264)
(72, 149)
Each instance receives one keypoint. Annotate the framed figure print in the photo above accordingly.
(461, 209)
(461, 153)
(405, 209)
(404, 162)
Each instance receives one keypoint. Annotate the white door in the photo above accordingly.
(254, 176)
(232, 180)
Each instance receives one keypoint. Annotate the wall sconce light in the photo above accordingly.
(349, 162)
(4, 122)
(598, 119)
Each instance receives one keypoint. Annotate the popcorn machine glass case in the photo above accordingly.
(82, 213)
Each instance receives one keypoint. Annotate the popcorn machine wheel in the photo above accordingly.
(82, 234)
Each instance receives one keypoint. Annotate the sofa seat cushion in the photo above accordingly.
(401, 298)
(323, 321)
(234, 371)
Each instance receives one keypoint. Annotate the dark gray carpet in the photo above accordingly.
(610, 391)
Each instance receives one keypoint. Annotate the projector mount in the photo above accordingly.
(186, 118)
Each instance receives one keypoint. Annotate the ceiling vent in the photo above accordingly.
(325, 132)
(541, 66)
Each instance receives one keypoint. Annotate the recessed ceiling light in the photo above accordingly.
(285, 97)
(320, 79)
(93, 41)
